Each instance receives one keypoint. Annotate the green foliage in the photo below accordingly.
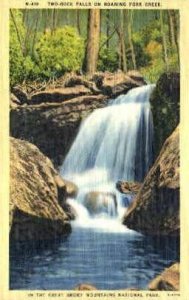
(149, 55)
(154, 70)
(108, 57)
(15, 49)
(60, 51)
(35, 55)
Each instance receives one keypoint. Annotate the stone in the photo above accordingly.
(169, 280)
(165, 106)
(35, 213)
(20, 94)
(127, 187)
(14, 101)
(99, 202)
(85, 287)
(59, 95)
(155, 209)
(115, 84)
(68, 188)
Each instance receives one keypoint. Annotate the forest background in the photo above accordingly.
(47, 43)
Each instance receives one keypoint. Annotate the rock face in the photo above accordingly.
(155, 209)
(59, 95)
(115, 84)
(165, 106)
(35, 212)
(169, 280)
(53, 127)
(50, 119)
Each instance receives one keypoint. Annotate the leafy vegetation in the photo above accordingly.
(60, 52)
(48, 43)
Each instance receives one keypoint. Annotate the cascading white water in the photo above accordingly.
(114, 143)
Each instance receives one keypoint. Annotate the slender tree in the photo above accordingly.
(171, 28)
(36, 30)
(78, 21)
(164, 42)
(130, 24)
(122, 48)
(93, 40)
(54, 20)
(107, 28)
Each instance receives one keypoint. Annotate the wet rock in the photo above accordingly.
(59, 95)
(69, 210)
(169, 280)
(35, 213)
(85, 287)
(155, 209)
(99, 202)
(127, 187)
(66, 188)
(165, 106)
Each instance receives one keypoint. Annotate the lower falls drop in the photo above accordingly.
(114, 143)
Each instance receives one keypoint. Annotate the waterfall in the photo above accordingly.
(114, 143)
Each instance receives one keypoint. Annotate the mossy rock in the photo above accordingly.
(165, 105)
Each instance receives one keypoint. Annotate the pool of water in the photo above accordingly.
(109, 259)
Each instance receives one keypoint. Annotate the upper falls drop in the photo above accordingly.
(114, 143)
(117, 138)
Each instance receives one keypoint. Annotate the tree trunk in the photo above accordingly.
(129, 13)
(93, 40)
(35, 32)
(122, 49)
(108, 28)
(78, 21)
(176, 31)
(165, 55)
(54, 13)
(171, 28)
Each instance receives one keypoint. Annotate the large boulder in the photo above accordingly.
(155, 209)
(100, 202)
(165, 106)
(169, 280)
(35, 213)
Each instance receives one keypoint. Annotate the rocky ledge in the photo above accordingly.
(50, 118)
(169, 280)
(36, 195)
(155, 209)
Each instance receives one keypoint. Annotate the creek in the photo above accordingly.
(113, 143)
